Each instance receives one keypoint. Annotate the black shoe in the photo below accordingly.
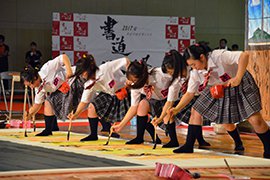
(105, 130)
(89, 138)
(45, 133)
(135, 141)
(170, 144)
(183, 149)
(239, 152)
(204, 145)
(115, 135)
(239, 147)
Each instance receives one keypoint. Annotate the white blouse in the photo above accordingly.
(109, 79)
(52, 74)
(223, 65)
(161, 89)
(195, 80)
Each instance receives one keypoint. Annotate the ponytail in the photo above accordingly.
(174, 60)
(86, 64)
(195, 51)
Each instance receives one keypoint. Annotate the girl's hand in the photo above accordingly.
(71, 116)
(172, 112)
(26, 116)
(116, 128)
(155, 121)
(233, 82)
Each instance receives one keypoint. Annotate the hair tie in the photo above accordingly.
(140, 61)
(197, 44)
(84, 55)
(168, 53)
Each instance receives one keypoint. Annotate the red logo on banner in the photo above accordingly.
(183, 44)
(171, 31)
(55, 54)
(192, 31)
(66, 43)
(66, 16)
(78, 55)
(80, 29)
(55, 28)
(184, 20)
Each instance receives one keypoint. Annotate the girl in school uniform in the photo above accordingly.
(174, 65)
(53, 87)
(194, 88)
(161, 90)
(151, 83)
(241, 99)
(101, 91)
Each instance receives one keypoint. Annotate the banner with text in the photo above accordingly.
(109, 37)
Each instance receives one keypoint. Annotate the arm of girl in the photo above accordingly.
(81, 107)
(242, 66)
(165, 108)
(128, 62)
(187, 97)
(129, 115)
(67, 64)
(33, 110)
(117, 64)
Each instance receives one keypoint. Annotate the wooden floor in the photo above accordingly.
(219, 142)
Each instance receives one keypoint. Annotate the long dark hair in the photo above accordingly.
(138, 69)
(86, 64)
(174, 60)
(29, 74)
(195, 51)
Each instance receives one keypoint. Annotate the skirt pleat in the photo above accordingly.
(63, 104)
(109, 108)
(237, 105)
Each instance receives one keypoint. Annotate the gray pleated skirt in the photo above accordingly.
(238, 103)
(109, 108)
(63, 104)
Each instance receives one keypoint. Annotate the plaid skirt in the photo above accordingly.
(184, 114)
(110, 108)
(238, 103)
(63, 104)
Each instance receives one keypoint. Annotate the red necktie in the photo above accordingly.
(41, 86)
(148, 89)
(206, 79)
(184, 86)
